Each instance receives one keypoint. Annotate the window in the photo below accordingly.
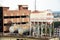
(43, 30)
(24, 22)
(23, 16)
(21, 39)
(9, 23)
(25, 7)
(17, 39)
(11, 16)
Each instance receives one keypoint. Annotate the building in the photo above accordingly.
(57, 32)
(19, 17)
(37, 23)
(42, 23)
(1, 20)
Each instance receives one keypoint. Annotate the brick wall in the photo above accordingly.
(15, 16)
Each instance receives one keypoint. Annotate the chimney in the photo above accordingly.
(23, 7)
(20, 7)
(5, 8)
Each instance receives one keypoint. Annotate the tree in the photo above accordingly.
(56, 24)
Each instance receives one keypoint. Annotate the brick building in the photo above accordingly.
(10, 17)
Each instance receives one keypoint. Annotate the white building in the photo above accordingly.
(41, 22)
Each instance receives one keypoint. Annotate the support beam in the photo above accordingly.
(41, 29)
(50, 30)
(53, 28)
(34, 30)
(38, 30)
(30, 28)
(46, 28)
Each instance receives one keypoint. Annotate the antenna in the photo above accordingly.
(35, 4)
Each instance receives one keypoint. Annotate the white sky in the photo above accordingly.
(41, 4)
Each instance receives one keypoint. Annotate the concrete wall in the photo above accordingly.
(54, 39)
(12, 38)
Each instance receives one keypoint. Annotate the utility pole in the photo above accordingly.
(35, 5)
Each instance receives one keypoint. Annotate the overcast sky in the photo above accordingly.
(54, 5)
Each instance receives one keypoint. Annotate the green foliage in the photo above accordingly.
(56, 24)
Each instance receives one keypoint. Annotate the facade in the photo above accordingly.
(19, 17)
(42, 23)
(37, 23)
